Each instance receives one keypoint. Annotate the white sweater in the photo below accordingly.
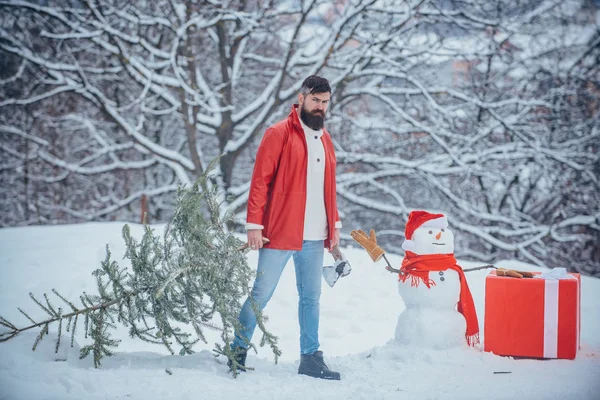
(315, 216)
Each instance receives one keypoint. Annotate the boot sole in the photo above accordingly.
(320, 376)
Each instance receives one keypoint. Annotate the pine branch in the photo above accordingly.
(65, 300)
(54, 312)
(5, 322)
(57, 317)
(74, 329)
(40, 304)
(267, 338)
(40, 336)
(59, 330)
(25, 314)
(229, 353)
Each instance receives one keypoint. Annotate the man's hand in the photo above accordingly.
(335, 241)
(255, 239)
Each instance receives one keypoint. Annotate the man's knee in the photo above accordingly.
(310, 297)
(261, 296)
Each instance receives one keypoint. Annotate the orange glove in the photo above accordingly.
(369, 243)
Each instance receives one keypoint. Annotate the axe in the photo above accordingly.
(341, 267)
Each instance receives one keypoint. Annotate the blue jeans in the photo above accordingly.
(309, 268)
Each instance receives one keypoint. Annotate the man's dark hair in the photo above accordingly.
(315, 84)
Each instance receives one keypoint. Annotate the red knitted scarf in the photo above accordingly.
(418, 267)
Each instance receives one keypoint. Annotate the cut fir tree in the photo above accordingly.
(191, 278)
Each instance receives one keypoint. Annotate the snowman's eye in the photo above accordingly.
(443, 230)
(430, 232)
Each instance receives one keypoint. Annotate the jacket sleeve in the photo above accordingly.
(338, 222)
(265, 167)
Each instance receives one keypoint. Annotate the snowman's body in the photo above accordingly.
(431, 318)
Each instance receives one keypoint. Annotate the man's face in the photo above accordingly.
(313, 108)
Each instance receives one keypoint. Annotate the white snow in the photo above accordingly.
(358, 320)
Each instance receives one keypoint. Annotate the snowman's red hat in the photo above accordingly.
(417, 219)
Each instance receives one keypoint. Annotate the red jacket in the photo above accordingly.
(277, 198)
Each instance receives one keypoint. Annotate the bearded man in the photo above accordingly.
(292, 202)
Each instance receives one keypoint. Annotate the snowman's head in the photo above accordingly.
(431, 240)
(428, 233)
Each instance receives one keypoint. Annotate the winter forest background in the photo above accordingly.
(487, 111)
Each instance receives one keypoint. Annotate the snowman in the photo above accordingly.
(440, 312)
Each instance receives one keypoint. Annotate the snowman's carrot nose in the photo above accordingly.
(438, 236)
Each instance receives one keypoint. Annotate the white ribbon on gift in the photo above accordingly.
(551, 296)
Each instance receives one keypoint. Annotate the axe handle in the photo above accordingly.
(336, 253)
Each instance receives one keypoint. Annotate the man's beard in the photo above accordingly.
(313, 121)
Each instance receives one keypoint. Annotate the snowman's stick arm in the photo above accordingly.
(397, 271)
(390, 268)
(478, 268)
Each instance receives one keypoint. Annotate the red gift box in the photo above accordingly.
(532, 317)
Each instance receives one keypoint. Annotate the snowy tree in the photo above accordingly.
(485, 110)
(147, 91)
(463, 122)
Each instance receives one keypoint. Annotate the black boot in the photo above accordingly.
(240, 357)
(313, 365)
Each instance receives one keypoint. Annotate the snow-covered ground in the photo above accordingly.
(358, 319)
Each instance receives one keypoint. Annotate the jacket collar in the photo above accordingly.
(293, 115)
